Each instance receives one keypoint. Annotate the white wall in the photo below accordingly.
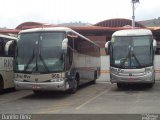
(105, 75)
(157, 67)
(105, 68)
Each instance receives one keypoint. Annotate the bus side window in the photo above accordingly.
(70, 52)
(69, 56)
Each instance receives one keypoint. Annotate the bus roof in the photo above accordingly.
(60, 29)
(132, 32)
(7, 36)
(46, 29)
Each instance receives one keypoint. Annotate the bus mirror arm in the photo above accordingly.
(65, 45)
(154, 45)
(107, 46)
(7, 47)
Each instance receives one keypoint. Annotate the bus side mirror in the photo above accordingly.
(107, 46)
(154, 45)
(10, 48)
(65, 45)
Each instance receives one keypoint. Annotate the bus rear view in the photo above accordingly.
(132, 57)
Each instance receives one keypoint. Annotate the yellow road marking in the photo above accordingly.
(90, 100)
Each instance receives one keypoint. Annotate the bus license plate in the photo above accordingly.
(130, 79)
(35, 87)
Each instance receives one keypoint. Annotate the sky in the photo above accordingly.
(15, 12)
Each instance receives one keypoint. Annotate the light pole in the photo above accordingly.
(133, 9)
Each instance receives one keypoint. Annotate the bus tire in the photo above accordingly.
(75, 85)
(37, 92)
(120, 85)
(150, 85)
(95, 77)
(1, 84)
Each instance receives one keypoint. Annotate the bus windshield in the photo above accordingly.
(39, 52)
(131, 51)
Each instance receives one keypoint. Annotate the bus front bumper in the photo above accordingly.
(46, 86)
(147, 78)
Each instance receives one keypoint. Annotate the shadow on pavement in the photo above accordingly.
(54, 94)
(135, 87)
(9, 90)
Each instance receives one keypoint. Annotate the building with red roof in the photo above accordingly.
(99, 32)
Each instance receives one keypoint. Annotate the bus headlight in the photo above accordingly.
(57, 80)
(148, 70)
(114, 70)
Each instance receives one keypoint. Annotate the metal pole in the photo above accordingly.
(133, 17)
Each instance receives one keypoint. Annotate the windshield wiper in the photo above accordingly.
(36, 67)
(45, 66)
(136, 59)
(30, 60)
(129, 57)
(125, 59)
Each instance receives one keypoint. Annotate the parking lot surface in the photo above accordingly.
(100, 98)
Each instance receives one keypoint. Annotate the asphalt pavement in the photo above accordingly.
(91, 101)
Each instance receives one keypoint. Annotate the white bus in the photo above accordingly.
(55, 58)
(132, 57)
(6, 61)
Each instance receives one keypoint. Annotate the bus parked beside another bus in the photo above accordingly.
(55, 59)
(132, 57)
(7, 50)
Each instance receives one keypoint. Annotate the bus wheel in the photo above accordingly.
(120, 85)
(37, 92)
(95, 77)
(1, 84)
(75, 86)
(150, 85)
